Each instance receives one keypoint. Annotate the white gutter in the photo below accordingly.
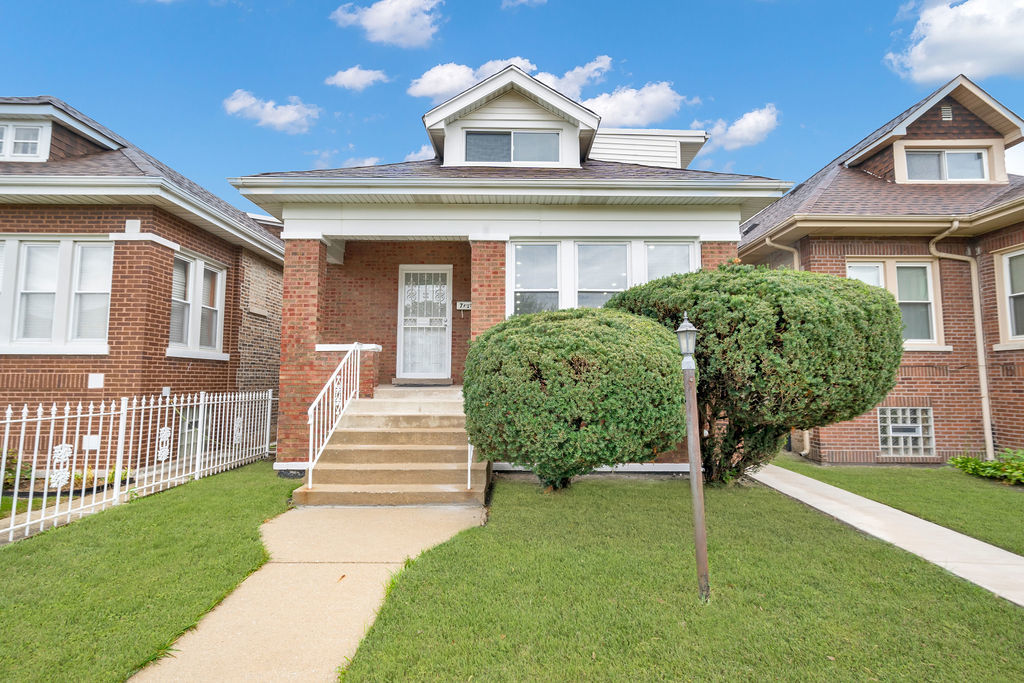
(464, 184)
(114, 186)
(979, 340)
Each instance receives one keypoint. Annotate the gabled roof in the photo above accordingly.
(122, 166)
(839, 188)
(510, 79)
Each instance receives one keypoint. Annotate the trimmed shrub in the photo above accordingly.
(778, 349)
(564, 392)
(1008, 466)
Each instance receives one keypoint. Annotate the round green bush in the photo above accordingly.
(564, 392)
(777, 349)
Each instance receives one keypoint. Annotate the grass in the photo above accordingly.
(5, 504)
(598, 582)
(99, 598)
(981, 508)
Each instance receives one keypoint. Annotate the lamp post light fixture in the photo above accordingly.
(687, 334)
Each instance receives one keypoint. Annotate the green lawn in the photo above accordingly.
(598, 582)
(982, 508)
(37, 502)
(97, 599)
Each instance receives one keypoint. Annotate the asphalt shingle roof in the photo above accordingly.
(128, 161)
(590, 170)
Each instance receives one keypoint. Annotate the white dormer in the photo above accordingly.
(24, 140)
(511, 119)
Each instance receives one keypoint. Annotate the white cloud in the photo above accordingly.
(505, 4)
(422, 154)
(632, 107)
(356, 78)
(353, 162)
(749, 129)
(445, 80)
(405, 23)
(1015, 160)
(979, 38)
(322, 158)
(294, 117)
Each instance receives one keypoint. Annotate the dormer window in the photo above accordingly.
(497, 147)
(24, 141)
(950, 165)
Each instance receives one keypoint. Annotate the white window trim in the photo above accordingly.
(993, 163)
(512, 147)
(61, 342)
(576, 260)
(1007, 340)
(889, 282)
(511, 260)
(42, 149)
(197, 264)
(944, 168)
(636, 264)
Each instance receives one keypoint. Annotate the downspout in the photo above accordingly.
(796, 266)
(979, 340)
(782, 247)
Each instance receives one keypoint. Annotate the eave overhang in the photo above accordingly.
(27, 189)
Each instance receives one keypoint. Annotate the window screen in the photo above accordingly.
(489, 147)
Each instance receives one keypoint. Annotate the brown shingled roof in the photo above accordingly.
(590, 170)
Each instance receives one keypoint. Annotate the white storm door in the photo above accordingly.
(424, 322)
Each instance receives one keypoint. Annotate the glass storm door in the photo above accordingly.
(424, 322)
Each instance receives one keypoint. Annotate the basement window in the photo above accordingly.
(905, 432)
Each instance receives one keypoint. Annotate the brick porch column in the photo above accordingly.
(305, 280)
(487, 279)
(714, 254)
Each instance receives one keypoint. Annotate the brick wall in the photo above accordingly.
(1005, 368)
(259, 331)
(361, 297)
(488, 263)
(947, 382)
(139, 320)
(714, 254)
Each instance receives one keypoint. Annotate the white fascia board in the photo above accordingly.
(85, 186)
(51, 112)
(530, 86)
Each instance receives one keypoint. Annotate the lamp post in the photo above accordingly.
(687, 334)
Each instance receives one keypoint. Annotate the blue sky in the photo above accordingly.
(219, 88)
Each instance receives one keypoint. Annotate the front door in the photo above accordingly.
(424, 322)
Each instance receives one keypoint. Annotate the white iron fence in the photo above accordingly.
(62, 463)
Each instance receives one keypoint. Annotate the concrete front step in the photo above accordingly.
(399, 473)
(389, 494)
(397, 436)
(453, 393)
(401, 421)
(404, 406)
(371, 454)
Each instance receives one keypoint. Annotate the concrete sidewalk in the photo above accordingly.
(304, 612)
(992, 568)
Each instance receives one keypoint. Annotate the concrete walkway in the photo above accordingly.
(304, 612)
(992, 568)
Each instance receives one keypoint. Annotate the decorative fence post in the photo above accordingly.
(119, 465)
(200, 436)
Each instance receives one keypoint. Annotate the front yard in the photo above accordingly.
(99, 598)
(598, 582)
(982, 508)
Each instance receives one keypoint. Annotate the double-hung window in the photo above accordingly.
(602, 269)
(197, 309)
(1014, 280)
(24, 141)
(958, 164)
(545, 275)
(54, 295)
(911, 282)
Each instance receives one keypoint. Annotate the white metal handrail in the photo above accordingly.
(330, 404)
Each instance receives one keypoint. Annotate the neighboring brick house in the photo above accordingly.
(527, 206)
(924, 207)
(119, 276)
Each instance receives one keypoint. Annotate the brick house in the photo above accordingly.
(923, 206)
(118, 275)
(527, 206)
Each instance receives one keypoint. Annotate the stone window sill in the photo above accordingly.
(933, 348)
(42, 349)
(197, 354)
(1015, 345)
